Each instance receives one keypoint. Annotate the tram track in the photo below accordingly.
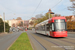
(35, 40)
(51, 40)
(56, 44)
(53, 43)
(72, 41)
(67, 41)
(39, 43)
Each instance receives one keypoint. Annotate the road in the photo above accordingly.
(8, 39)
(42, 42)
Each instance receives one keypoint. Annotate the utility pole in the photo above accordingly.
(23, 23)
(49, 15)
(4, 21)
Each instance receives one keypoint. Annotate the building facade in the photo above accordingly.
(16, 22)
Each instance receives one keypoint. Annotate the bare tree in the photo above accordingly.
(31, 23)
(72, 8)
(39, 16)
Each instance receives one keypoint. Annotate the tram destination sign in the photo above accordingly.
(60, 20)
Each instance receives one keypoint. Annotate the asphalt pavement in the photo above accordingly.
(39, 41)
(43, 42)
(7, 39)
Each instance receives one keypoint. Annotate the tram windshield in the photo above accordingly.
(60, 25)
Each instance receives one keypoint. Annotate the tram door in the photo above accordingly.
(51, 28)
(47, 29)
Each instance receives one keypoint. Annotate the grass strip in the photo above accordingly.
(22, 43)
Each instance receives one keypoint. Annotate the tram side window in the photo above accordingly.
(40, 28)
(51, 26)
(36, 28)
(47, 26)
(43, 28)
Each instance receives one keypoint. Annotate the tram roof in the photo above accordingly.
(46, 21)
(43, 23)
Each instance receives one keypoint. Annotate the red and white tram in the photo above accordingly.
(55, 27)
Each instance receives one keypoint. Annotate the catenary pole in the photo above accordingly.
(4, 21)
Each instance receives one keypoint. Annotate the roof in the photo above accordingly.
(72, 18)
(49, 11)
(33, 18)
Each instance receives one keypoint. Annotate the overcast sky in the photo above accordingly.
(25, 8)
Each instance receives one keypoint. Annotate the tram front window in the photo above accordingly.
(60, 25)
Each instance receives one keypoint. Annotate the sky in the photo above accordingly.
(26, 8)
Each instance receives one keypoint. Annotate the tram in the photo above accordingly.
(54, 27)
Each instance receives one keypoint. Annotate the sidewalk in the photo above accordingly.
(3, 33)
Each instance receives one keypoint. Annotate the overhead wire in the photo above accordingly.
(40, 3)
(56, 4)
(36, 8)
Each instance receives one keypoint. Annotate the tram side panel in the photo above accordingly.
(40, 29)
